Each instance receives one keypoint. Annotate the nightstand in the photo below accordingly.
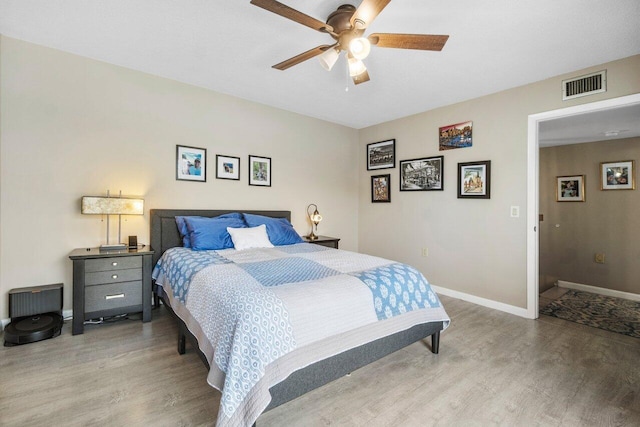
(331, 242)
(110, 283)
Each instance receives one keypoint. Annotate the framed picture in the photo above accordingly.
(618, 175)
(260, 171)
(191, 163)
(227, 167)
(422, 174)
(381, 155)
(380, 189)
(474, 180)
(455, 136)
(570, 188)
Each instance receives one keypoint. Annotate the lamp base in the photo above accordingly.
(312, 236)
(118, 247)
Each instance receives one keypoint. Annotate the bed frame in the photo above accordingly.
(165, 235)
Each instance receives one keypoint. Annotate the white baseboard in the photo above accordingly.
(511, 309)
(597, 290)
(65, 315)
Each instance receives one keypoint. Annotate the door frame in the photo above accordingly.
(533, 181)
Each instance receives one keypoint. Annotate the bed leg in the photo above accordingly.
(156, 297)
(181, 341)
(435, 343)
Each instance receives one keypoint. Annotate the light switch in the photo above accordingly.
(515, 211)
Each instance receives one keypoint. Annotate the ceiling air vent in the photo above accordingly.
(584, 85)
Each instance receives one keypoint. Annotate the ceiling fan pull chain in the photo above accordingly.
(347, 77)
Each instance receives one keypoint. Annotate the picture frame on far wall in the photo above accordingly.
(381, 155)
(227, 167)
(381, 189)
(570, 188)
(474, 180)
(191, 163)
(425, 174)
(260, 171)
(619, 175)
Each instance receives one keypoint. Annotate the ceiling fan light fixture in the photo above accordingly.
(356, 67)
(329, 58)
(360, 47)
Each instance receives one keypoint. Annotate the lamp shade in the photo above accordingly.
(329, 58)
(359, 47)
(356, 67)
(316, 217)
(93, 205)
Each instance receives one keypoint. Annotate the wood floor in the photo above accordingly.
(494, 369)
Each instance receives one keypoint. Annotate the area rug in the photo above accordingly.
(599, 311)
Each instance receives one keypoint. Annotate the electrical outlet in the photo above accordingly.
(599, 258)
(425, 252)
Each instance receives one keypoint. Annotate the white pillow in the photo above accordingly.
(246, 238)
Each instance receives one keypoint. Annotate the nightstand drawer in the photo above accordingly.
(115, 263)
(105, 297)
(113, 276)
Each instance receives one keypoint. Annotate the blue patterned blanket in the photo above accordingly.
(258, 305)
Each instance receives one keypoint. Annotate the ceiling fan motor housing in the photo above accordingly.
(340, 20)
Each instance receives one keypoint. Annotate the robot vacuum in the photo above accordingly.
(24, 330)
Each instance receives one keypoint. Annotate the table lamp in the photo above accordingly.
(315, 218)
(96, 205)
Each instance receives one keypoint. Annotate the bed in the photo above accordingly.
(304, 291)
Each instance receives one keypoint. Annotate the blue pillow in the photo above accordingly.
(279, 230)
(182, 228)
(210, 233)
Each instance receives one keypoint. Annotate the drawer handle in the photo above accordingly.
(107, 297)
(114, 263)
(115, 276)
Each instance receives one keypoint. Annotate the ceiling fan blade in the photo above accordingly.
(367, 12)
(409, 41)
(301, 58)
(361, 78)
(292, 14)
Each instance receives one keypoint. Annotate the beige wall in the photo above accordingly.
(573, 232)
(476, 250)
(72, 126)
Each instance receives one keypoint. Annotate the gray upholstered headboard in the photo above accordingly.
(164, 231)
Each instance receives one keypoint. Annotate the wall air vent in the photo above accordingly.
(584, 85)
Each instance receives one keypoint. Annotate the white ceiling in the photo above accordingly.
(603, 125)
(229, 46)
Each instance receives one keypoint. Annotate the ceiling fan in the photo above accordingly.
(347, 25)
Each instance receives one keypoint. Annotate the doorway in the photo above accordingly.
(536, 121)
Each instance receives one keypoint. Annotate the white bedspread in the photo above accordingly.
(261, 314)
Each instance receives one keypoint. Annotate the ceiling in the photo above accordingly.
(229, 46)
(602, 125)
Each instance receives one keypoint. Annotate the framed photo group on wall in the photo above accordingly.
(427, 173)
(191, 165)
